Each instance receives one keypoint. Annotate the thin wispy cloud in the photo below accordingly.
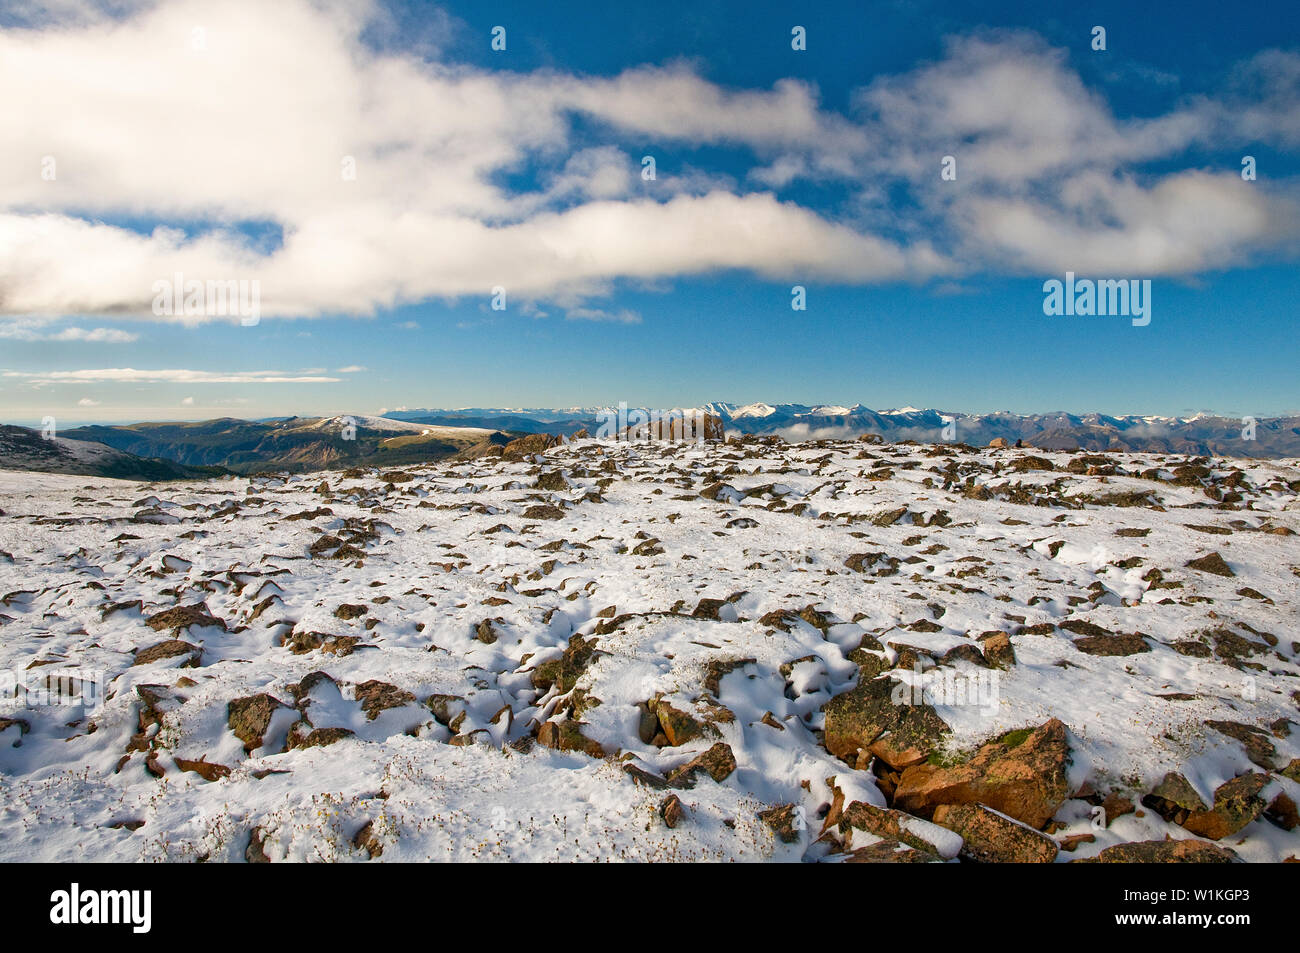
(25, 330)
(128, 375)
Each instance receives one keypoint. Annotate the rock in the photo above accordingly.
(1025, 463)
(350, 611)
(679, 727)
(649, 547)
(718, 763)
(181, 617)
(989, 837)
(566, 735)
(301, 643)
(255, 852)
(1211, 563)
(207, 770)
(168, 649)
(552, 480)
(998, 651)
(544, 511)
(366, 839)
(1116, 805)
(883, 563)
(895, 825)
(1022, 774)
(530, 445)
(889, 517)
(1282, 812)
(998, 442)
(857, 718)
(1071, 843)
(564, 672)
(709, 609)
(716, 669)
(376, 696)
(485, 632)
(671, 810)
(1162, 852)
(785, 820)
(1112, 645)
(1236, 804)
(316, 738)
(889, 852)
(1258, 748)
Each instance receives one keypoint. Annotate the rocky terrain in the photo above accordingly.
(751, 650)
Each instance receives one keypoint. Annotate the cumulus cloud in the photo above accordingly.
(385, 176)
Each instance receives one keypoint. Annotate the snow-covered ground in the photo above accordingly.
(453, 614)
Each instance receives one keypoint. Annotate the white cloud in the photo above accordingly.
(351, 369)
(39, 330)
(188, 402)
(128, 375)
(254, 124)
(87, 402)
(624, 316)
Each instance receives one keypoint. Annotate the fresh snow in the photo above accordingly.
(453, 547)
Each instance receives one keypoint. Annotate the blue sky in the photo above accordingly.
(206, 137)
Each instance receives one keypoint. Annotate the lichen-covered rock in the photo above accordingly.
(998, 650)
(1212, 563)
(376, 696)
(671, 810)
(680, 727)
(250, 717)
(566, 735)
(564, 672)
(857, 718)
(889, 852)
(182, 617)
(171, 648)
(785, 820)
(718, 763)
(1021, 774)
(894, 825)
(1236, 804)
(1163, 852)
(989, 837)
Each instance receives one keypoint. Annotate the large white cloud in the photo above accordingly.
(225, 112)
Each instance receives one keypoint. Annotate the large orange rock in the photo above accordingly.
(991, 838)
(1236, 804)
(1022, 774)
(857, 719)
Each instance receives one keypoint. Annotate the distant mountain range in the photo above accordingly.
(1199, 434)
(24, 449)
(226, 445)
(162, 451)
